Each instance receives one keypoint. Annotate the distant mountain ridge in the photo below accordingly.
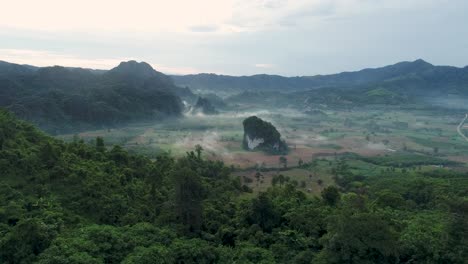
(63, 98)
(60, 99)
(411, 71)
(8, 69)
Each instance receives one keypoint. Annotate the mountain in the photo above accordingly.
(214, 82)
(204, 106)
(138, 73)
(215, 100)
(60, 99)
(262, 135)
(402, 74)
(12, 69)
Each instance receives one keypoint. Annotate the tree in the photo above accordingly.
(188, 197)
(274, 180)
(331, 195)
(263, 213)
(355, 237)
(154, 254)
(192, 251)
(278, 179)
(100, 144)
(424, 239)
(257, 176)
(300, 162)
(155, 180)
(248, 253)
(49, 154)
(303, 184)
(25, 241)
(198, 150)
(284, 161)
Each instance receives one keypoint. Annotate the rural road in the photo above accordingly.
(460, 126)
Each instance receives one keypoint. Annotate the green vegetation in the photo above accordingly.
(80, 203)
(400, 83)
(62, 99)
(407, 160)
(372, 173)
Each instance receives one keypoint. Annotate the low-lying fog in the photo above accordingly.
(451, 102)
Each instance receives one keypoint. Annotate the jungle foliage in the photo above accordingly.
(81, 203)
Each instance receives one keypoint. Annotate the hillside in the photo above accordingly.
(204, 106)
(60, 99)
(418, 75)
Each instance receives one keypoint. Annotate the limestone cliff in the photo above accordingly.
(262, 135)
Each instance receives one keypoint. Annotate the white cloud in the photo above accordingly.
(113, 15)
(204, 28)
(264, 65)
(178, 15)
(298, 37)
(257, 15)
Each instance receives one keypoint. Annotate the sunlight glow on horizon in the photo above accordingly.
(235, 37)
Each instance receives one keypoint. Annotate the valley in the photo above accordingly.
(234, 132)
(131, 166)
(326, 134)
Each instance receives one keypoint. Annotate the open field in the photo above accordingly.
(366, 132)
(370, 132)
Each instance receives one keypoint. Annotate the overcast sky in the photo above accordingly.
(236, 37)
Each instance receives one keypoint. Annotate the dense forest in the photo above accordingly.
(62, 99)
(79, 202)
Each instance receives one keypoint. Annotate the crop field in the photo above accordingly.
(376, 132)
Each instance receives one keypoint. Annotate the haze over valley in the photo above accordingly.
(234, 132)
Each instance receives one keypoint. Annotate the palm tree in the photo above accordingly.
(198, 150)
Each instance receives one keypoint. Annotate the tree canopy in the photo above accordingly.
(81, 203)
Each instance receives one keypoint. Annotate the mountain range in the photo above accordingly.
(62, 99)
(399, 76)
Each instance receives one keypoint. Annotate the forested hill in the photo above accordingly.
(59, 99)
(417, 74)
(79, 203)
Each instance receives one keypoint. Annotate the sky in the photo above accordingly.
(235, 37)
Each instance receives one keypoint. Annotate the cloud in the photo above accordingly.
(114, 15)
(44, 58)
(203, 28)
(298, 37)
(49, 58)
(264, 65)
(259, 15)
(160, 16)
(226, 16)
